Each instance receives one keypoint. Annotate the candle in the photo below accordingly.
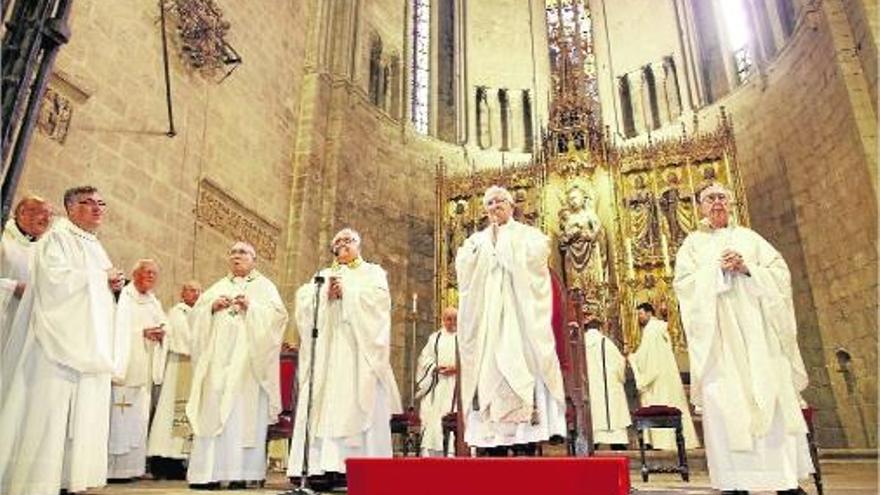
(415, 302)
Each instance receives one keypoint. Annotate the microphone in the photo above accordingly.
(319, 280)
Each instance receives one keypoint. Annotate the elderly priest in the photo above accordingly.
(140, 314)
(354, 388)
(511, 381)
(735, 294)
(237, 329)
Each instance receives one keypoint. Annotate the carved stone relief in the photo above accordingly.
(221, 211)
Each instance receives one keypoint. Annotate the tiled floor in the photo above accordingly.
(842, 477)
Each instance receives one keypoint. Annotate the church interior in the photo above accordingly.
(280, 122)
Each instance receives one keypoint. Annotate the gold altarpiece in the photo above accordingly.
(615, 216)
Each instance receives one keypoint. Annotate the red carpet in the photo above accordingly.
(489, 476)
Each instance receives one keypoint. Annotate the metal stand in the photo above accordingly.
(303, 488)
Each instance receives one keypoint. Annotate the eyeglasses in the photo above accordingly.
(344, 240)
(233, 252)
(91, 203)
(711, 198)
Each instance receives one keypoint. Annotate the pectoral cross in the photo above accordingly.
(122, 404)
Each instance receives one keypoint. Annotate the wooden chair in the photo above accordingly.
(283, 428)
(808, 413)
(661, 417)
(409, 426)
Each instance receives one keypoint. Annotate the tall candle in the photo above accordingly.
(415, 302)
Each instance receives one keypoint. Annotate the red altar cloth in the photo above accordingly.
(489, 476)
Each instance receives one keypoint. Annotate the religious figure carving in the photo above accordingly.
(709, 176)
(226, 214)
(54, 117)
(523, 209)
(580, 240)
(484, 133)
(677, 213)
(460, 227)
(644, 228)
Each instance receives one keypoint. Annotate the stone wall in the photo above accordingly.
(232, 135)
(805, 128)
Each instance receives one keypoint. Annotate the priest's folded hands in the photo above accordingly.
(241, 303)
(221, 303)
(155, 334)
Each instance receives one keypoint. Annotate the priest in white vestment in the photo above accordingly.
(606, 374)
(139, 313)
(436, 377)
(736, 306)
(238, 325)
(31, 219)
(170, 437)
(55, 412)
(658, 380)
(511, 380)
(355, 392)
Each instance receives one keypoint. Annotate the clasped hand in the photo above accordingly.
(155, 334)
(446, 370)
(732, 262)
(335, 289)
(239, 302)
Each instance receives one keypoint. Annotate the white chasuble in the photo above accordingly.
(355, 392)
(511, 381)
(746, 368)
(235, 390)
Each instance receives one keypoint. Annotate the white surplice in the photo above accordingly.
(606, 374)
(164, 441)
(355, 392)
(15, 255)
(436, 390)
(659, 383)
(63, 349)
(511, 380)
(235, 391)
(746, 368)
(130, 408)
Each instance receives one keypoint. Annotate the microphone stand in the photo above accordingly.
(303, 488)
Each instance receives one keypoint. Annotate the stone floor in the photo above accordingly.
(842, 477)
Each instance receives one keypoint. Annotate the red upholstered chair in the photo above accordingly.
(409, 426)
(661, 417)
(283, 428)
(808, 413)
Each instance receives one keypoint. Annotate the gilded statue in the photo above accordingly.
(460, 227)
(677, 212)
(523, 209)
(644, 227)
(581, 237)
